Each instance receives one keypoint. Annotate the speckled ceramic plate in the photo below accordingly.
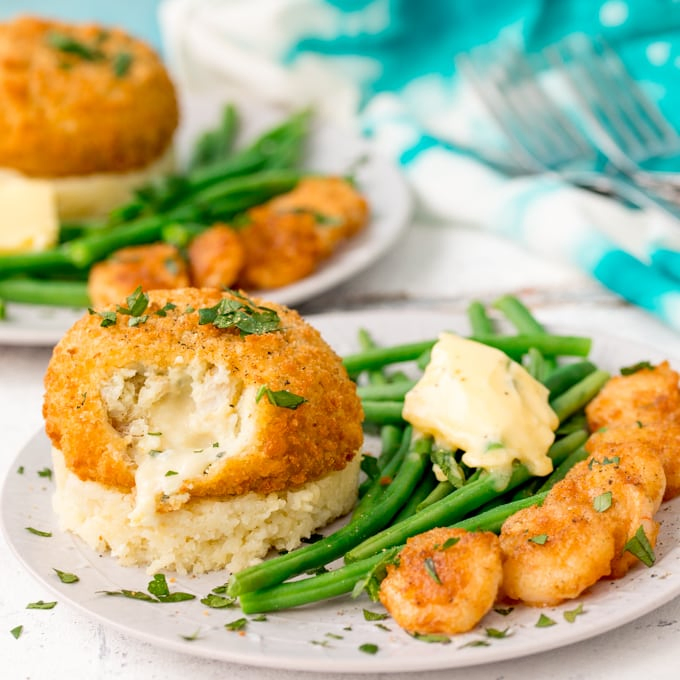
(328, 635)
(329, 150)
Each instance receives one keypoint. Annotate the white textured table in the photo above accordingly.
(443, 266)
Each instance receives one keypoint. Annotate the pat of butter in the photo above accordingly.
(474, 398)
(28, 215)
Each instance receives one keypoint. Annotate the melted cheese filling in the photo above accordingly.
(179, 423)
(474, 398)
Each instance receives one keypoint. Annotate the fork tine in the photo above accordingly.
(653, 121)
(479, 72)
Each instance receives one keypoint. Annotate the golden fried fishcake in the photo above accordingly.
(662, 437)
(553, 555)
(170, 395)
(340, 211)
(80, 99)
(216, 257)
(155, 266)
(445, 582)
(646, 396)
(279, 248)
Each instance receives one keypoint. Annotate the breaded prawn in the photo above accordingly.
(445, 582)
(154, 266)
(216, 257)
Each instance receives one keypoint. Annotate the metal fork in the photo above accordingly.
(598, 135)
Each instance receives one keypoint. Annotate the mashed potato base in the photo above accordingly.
(206, 533)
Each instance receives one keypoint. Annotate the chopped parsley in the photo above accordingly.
(137, 302)
(641, 365)
(238, 624)
(45, 472)
(121, 64)
(435, 638)
(374, 616)
(37, 532)
(476, 643)
(70, 45)
(17, 631)
(281, 398)
(431, 569)
(242, 313)
(41, 605)
(504, 611)
(66, 577)
(171, 473)
(163, 311)
(215, 601)
(193, 636)
(539, 539)
(603, 502)
(571, 614)
(158, 591)
(108, 318)
(545, 621)
(639, 546)
(498, 634)
(20, 470)
(368, 648)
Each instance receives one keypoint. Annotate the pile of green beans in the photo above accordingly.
(401, 497)
(219, 184)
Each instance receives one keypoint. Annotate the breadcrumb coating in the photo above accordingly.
(79, 99)
(288, 447)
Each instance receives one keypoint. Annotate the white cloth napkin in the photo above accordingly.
(232, 48)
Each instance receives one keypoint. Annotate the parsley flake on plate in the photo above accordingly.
(65, 576)
(17, 631)
(37, 532)
(41, 605)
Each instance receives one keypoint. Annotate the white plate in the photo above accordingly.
(328, 635)
(329, 150)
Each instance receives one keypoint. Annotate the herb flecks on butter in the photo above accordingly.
(475, 398)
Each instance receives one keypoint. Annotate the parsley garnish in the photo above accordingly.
(498, 634)
(476, 643)
(137, 302)
(66, 577)
(192, 637)
(108, 317)
(374, 616)
(263, 617)
(281, 398)
(432, 638)
(641, 365)
(371, 582)
(639, 546)
(163, 311)
(215, 601)
(158, 589)
(603, 502)
(37, 532)
(17, 631)
(20, 470)
(504, 611)
(171, 473)
(41, 605)
(238, 624)
(539, 539)
(449, 543)
(121, 64)
(571, 614)
(45, 472)
(368, 648)
(545, 621)
(69, 45)
(431, 569)
(241, 313)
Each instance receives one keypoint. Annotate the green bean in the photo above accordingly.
(42, 292)
(480, 323)
(383, 412)
(561, 470)
(420, 493)
(577, 396)
(442, 489)
(38, 261)
(391, 391)
(567, 375)
(329, 548)
(215, 145)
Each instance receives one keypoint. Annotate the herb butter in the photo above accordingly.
(475, 398)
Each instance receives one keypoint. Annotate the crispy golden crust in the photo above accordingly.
(215, 257)
(445, 582)
(158, 265)
(64, 115)
(646, 396)
(290, 447)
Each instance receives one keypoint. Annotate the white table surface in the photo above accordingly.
(442, 265)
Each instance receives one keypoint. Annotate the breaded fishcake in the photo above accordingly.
(646, 396)
(155, 266)
(279, 248)
(216, 257)
(339, 210)
(80, 99)
(179, 409)
(445, 581)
